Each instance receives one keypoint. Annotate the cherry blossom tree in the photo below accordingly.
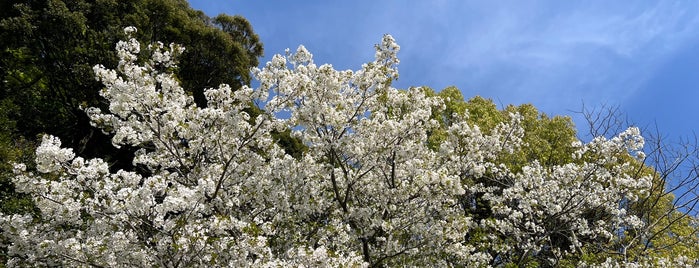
(372, 188)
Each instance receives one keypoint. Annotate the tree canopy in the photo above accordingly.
(381, 177)
(48, 49)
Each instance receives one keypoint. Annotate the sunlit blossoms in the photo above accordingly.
(213, 186)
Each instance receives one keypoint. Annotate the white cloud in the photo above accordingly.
(554, 54)
(577, 52)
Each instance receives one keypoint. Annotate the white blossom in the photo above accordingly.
(219, 191)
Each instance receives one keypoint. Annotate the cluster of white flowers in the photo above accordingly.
(368, 191)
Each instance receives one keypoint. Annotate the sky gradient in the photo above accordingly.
(642, 56)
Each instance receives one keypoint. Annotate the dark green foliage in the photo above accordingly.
(48, 49)
(292, 146)
(12, 150)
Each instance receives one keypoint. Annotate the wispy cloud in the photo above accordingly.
(553, 54)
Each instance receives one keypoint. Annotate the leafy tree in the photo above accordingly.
(48, 49)
(370, 189)
(671, 228)
(50, 46)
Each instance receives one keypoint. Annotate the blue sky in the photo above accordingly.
(640, 55)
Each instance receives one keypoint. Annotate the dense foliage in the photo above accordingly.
(386, 177)
(48, 48)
